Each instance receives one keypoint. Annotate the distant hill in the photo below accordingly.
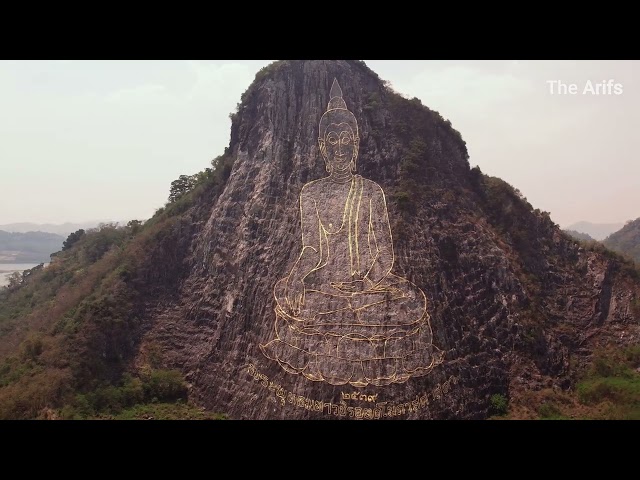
(59, 229)
(30, 247)
(598, 231)
(626, 240)
(580, 235)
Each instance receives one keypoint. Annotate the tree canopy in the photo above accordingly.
(72, 239)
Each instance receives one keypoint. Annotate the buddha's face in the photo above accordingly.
(339, 146)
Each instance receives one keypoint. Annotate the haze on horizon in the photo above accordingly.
(86, 140)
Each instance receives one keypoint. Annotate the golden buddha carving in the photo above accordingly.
(341, 316)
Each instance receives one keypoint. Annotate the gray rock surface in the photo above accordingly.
(510, 301)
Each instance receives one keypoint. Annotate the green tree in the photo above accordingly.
(134, 226)
(183, 185)
(499, 404)
(72, 239)
(15, 280)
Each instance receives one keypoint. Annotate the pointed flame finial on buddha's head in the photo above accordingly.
(338, 136)
(336, 100)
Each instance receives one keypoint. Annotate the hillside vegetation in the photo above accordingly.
(67, 331)
(580, 236)
(609, 389)
(626, 241)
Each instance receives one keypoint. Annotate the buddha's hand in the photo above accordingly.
(295, 296)
(356, 286)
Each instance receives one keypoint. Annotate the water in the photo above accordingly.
(7, 269)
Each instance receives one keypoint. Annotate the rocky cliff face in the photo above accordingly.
(511, 299)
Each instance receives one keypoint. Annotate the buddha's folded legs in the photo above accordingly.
(378, 337)
(397, 302)
(355, 360)
(394, 301)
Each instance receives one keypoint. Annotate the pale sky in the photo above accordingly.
(102, 140)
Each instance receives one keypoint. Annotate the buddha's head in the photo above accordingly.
(338, 137)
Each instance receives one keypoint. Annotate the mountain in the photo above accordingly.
(626, 241)
(580, 236)
(418, 289)
(63, 229)
(31, 247)
(599, 231)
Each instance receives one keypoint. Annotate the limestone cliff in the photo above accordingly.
(510, 297)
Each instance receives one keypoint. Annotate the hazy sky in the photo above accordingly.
(102, 140)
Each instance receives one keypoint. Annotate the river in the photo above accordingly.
(7, 269)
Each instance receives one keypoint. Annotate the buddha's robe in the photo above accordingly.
(379, 335)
